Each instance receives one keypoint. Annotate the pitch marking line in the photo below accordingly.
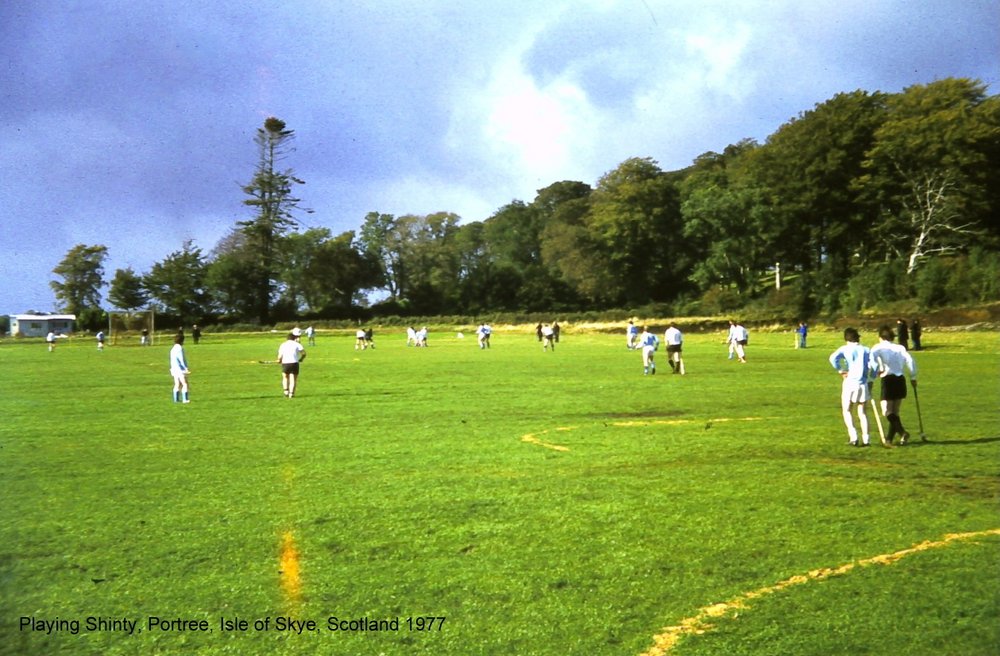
(291, 583)
(701, 622)
(531, 439)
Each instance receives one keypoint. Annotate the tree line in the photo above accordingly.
(867, 198)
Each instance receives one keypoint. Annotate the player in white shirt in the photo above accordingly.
(631, 335)
(853, 364)
(290, 354)
(673, 338)
(740, 337)
(648, 342)
(179, 370)
(100, 340)
(421, 337)
(547, 338)
(50, 339)
(888, 360)
(483, 335)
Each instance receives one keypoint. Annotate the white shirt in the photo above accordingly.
(178, 363)
(289, 351)
(740, 334)
(889, 359)
(673, 337)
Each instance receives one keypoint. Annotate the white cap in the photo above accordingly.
(296, 331)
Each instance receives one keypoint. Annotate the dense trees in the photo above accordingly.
(864, 198)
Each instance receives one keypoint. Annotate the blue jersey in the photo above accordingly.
(649, 339)
(855, 360)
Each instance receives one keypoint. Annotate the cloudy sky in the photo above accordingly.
(131, 124)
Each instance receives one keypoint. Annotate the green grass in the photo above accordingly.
(403, 479)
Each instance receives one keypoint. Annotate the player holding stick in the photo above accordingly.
(889, 360)
(674, 339)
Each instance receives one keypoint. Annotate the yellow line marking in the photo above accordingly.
(531, 439)
(699, 623)
(291, 582)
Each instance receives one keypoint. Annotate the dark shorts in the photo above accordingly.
(741, 342)
(893, 388)
(290, 368)
(673, 348)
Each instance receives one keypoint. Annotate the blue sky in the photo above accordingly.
(131, 124)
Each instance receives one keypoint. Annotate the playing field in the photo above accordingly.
(453, 501)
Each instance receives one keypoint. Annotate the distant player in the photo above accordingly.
(889, 359)
(179, 370)
(648, 342)
(421, 337)
(852, 362)
(483, 335)
(740, 336)
(547, 337)
(311, 335)
(100, 340)
(631, 335)
(370, 338)
(290, 354)
(411, 336)
(144, 339)
(674, 340)
(50, 339)
(731, 339)
(196, 333)
(359, 340)
(800, 335)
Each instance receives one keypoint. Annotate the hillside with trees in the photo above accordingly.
(865, 199)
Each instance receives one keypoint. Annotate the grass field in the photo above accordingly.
(540, 503)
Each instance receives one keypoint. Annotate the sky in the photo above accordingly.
(131, 124)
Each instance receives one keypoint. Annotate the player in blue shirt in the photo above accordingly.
(648, 342)
(852, 361)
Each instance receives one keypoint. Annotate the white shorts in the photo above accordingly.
(854, 392)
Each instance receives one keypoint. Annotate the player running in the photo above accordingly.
(648, 342)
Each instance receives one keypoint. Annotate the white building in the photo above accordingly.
(40, 325)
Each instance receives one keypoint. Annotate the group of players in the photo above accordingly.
(858, 365)
(648, 343)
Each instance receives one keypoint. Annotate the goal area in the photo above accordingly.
(136, 328)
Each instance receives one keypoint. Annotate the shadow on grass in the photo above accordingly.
(915, 442)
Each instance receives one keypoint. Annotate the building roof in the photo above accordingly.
(43, 317)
